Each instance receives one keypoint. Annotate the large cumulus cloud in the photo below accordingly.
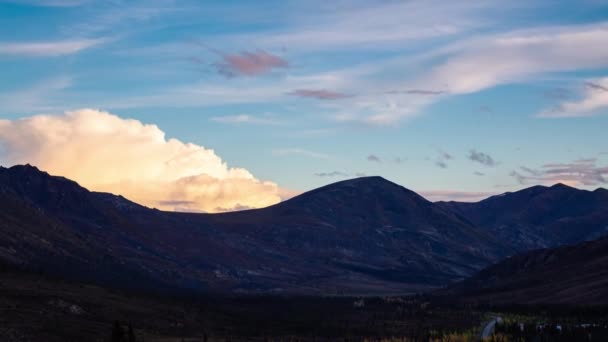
(104, 152)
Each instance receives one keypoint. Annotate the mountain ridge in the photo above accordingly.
(361, 236)
(366, 235)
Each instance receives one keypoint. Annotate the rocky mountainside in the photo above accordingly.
(566, 275)
(361, 236)
(540, 217)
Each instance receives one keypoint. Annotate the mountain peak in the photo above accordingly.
(368, 186)
(25, 168)
(32, 173)
(372, 194)
(561, 186)
(365, 180)
(601, 191)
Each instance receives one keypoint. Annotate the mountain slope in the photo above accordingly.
(370, 226)
(566, 275)
(540, 217)
(365, 235)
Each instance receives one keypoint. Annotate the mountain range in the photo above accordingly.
(539, 216)
(361, 236)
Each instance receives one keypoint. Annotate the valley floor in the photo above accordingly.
(36, 308)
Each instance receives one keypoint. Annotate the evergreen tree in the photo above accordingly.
(131, 333)
(118, 334)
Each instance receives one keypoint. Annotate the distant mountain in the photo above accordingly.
(539, 217)
(566, 275)
(361, 236)
(368, 234)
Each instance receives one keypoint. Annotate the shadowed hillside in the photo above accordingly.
(365, 236)
(575, 275)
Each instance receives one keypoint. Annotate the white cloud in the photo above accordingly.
(49, 48)
(513, 57)
(595, 97)
(104, 152)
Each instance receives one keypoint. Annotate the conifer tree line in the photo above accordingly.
(120, 335)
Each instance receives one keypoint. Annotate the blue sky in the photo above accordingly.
(454, 100)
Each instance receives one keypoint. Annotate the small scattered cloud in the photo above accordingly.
(49, 48)
(374, 158)
(245, 119)
(331, 174)
(339, 174)
(482, 158)
(477, 173)
(441, 164)
(579, 172)
(399, 160)
(444, 155)
(299, 152)
(319, 94)
(442, 158)
(249, 63)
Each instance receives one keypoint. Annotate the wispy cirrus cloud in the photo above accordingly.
(245, 119)
(249, 63)
(416, 92)
(42, 96)
(319, 94)
(118, 17)
(49, 48)
(578, 172)
(594, 99)
(353, 25)
(515, 56)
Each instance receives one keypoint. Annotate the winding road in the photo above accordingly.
(488, 329)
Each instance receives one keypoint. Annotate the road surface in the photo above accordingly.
(488, 329)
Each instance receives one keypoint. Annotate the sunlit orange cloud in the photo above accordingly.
(104, 152)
